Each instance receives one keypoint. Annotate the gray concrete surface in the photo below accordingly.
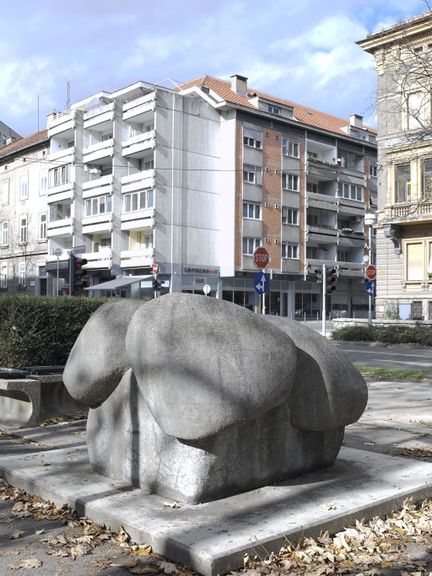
(213, 537)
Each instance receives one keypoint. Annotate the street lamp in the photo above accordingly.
(369, 220)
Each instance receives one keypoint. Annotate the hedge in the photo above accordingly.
(35, 330)
(394, 334)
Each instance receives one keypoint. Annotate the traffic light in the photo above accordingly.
(78, 275)
(318, 275)
(156, 285)
(331, 279)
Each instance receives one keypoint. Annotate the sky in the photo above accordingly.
(301, 50)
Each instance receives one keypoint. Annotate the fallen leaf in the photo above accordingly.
(41, 531)
(168, 567)
(78, 551)
(17, 534)
(144, 550)
(29, 563)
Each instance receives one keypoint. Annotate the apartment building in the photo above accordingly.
(23, 215)
(7, 135)
(403, 56)
(194, 179)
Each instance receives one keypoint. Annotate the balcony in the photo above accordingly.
(138, 181)
(136, 258)
(138, 144)
(97, 223)
(419, 211)
(63, 227)
(351, 269)
(321, 169)
(101, 260)
(138, 219)
(60, 193)
(99, 115)
(98, 152)
(323, 201)
(63, 154)
(138, 107)
(98, 186)
(60, 122)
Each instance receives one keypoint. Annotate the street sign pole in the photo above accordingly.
(324, 312)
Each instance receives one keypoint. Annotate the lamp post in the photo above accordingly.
(369, 220)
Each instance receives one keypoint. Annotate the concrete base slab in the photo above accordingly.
(212, 538)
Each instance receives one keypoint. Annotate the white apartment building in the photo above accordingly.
(23, 215)
(194, 179)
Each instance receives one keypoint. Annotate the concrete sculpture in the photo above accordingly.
(197, 399)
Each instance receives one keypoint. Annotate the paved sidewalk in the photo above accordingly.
(366, 480)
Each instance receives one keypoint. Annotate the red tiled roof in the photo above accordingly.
(303, 114)
(23, 143)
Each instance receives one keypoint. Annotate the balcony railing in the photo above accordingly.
(413, 209)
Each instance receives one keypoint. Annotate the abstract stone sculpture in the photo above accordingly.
(197, 399)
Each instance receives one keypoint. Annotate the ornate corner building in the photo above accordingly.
(403, 57)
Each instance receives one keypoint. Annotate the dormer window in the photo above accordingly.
(273, 109)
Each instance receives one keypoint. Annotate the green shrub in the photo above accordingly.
(362, 333)
(394, 334)
(41, 331)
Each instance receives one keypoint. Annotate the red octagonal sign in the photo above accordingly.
(371, 272)
(261, 257)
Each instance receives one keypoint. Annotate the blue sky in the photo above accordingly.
(302, 50)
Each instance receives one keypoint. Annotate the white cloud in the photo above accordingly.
(21, 81)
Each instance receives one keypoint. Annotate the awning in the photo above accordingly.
(118, 282)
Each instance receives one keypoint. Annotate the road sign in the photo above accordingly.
(370, 287)
(155, 269)
(260, 282)
(206, 289)
(261, 257)
(371, 272)
(78, 249)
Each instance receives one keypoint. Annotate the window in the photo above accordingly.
(344, 255)
(251, 210)
(427, 180)
(250, 245)
(289, 215)
(43, 226)
(23, 229)
(23, 186)
(290, 148)
(3, 275)
(273, 109)
(373, 170)
(139, 240)
(59, 176)
(22, 280)
(43, 183)
(107, 136)
(350, 160)
(403, 182)
(290, 182)
(312, 187)
(98, 205)
(5, 233)
(250, 174)
(5, 192)
(289, 250)
(350, 191)
(252, 138)
(312, 252)
(59, 212)
(414, 262)
(138, 201)
(418, 110)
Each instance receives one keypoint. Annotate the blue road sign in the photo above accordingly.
(370, 287)
(260, 282)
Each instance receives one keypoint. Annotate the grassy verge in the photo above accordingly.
(395, 374)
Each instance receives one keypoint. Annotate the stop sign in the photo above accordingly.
(371, 272)
(261, 257)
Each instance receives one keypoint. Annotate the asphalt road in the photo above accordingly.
(392, 356)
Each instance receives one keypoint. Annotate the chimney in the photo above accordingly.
(356, 120)
(239, 84)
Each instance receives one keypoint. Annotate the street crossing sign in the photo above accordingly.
(370, 287)
(260, 282)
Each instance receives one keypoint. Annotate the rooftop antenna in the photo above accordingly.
(68, 95)
(38, 113)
